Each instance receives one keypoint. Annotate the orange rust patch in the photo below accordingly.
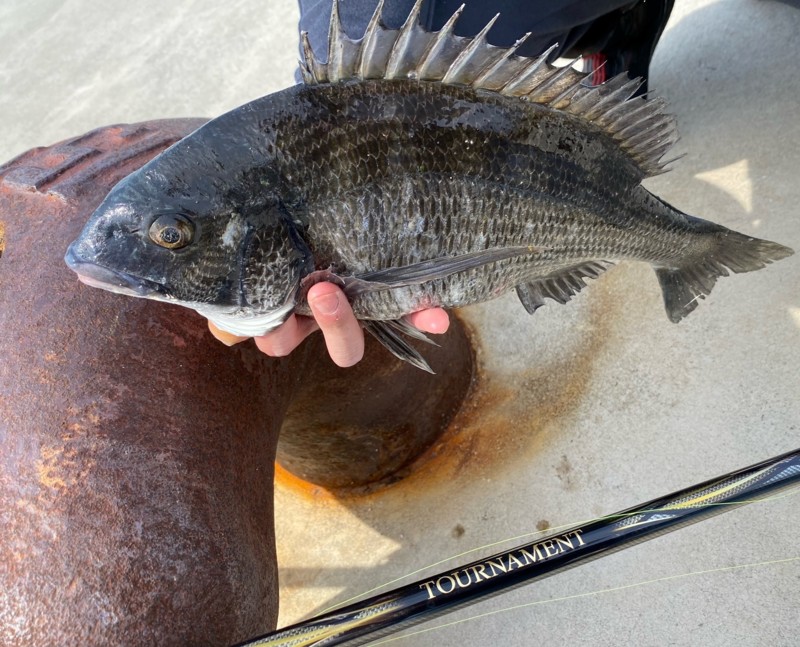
(59, 468)
(2, 238)
(47, 468)
(315, 493)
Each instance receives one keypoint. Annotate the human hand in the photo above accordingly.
(333, 315)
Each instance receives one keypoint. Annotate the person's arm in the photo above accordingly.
(333, 315)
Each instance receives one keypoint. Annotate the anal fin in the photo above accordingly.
(531, 296)
(560, 286)
(387, 333)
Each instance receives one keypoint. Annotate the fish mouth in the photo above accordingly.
(98, 276)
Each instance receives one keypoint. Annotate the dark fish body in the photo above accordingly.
(398, 172)
(411, 193)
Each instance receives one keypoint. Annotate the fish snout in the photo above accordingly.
(97, 276)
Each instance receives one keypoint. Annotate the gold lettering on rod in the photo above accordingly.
(520, 558)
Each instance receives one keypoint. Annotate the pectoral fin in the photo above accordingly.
(424, 271)
(402, 326)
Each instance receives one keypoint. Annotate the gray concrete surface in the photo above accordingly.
(581, 410)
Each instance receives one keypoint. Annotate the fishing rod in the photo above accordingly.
(389, 612)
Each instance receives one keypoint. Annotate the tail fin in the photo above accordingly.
(684, 286)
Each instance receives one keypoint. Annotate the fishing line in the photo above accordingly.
(611, 517)
(588, 594)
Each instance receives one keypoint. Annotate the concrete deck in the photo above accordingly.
(581, 410)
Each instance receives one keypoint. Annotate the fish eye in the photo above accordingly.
(172, 231)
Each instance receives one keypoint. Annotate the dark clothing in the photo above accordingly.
(624, 31)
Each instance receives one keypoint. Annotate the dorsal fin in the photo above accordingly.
(640, 127)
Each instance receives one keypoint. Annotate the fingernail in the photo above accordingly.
(230, 340)
(223, 336)
(327, 304)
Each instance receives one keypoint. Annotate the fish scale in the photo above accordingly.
(415, 169)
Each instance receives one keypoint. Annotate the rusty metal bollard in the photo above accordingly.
(137, 453)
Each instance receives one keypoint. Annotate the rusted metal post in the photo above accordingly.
(136, 453)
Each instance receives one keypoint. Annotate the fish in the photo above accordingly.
(415, 169)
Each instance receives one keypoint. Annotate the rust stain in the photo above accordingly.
(2, 238)
(62, 467)
(285, 480)
(509, 421)
(47, 468)
(43, 377)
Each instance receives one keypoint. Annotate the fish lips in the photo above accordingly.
(98, 276)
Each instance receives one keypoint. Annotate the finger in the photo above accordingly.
(229, 339)
(432, 320)
(283, 340)
(343, 334)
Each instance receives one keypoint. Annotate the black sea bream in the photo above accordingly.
(416, 169)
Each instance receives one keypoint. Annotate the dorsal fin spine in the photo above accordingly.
(401, 45)
(367, 48)
(484, 79)
(656, 131)
(631, 127)
(615, 96)
(437, 46)
(474, 45)
(311, 64)
(535, 64)
(539, 73)
(609, 115)
(335, 45)
(640, 111)
(563, 73)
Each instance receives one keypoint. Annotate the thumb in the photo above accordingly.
(343, 334)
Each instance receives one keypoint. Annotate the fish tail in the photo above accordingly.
(684, 286)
